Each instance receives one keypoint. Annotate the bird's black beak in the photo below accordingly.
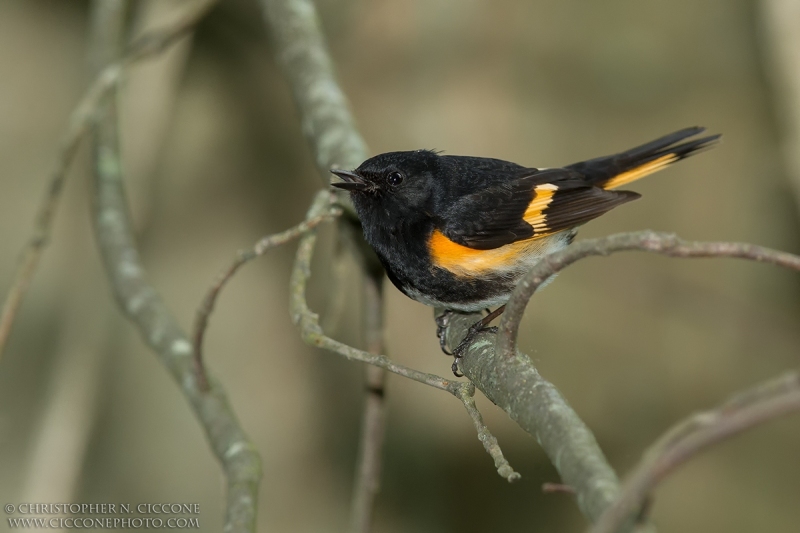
(352, 181)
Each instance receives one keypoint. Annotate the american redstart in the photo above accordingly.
(458, 232)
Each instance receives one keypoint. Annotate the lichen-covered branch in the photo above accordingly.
(148, 45)
(143, 306)
(741, 412)
(326, 119)
(534, 403)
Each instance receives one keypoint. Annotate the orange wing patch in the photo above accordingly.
(535, 214)
(641, 171)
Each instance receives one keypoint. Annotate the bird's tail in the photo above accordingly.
(617, 170)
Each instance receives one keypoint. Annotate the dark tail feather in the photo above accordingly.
(617, 170)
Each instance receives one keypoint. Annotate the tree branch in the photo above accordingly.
(373, 420)
(143, 306)
(148, 45)
(308, 321)
(326, 119)
(741, 412)
(327, 123)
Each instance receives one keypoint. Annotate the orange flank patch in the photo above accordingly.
(639, 172)
(465, 261)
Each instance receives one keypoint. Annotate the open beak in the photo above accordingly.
(352, 181)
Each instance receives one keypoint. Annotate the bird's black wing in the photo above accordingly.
(539, 204)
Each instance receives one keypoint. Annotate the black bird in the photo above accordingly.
(458, 232)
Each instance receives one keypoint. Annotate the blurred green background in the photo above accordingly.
(215, 159)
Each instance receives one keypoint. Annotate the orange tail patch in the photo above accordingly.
(641, 171)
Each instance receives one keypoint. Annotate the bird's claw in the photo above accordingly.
(461, 350)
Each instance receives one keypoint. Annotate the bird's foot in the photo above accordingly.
(481, 326)
(442, 321)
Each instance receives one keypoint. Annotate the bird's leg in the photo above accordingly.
(480, 326)
(442, 321)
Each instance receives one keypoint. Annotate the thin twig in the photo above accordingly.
(557, 488)
(243, 256)
(645, 241)
(743, 411)
(373, 420)
(466, 394)
(148, 45)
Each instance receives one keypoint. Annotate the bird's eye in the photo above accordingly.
(395, 179)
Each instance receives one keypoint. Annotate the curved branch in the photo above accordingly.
(645, 241)
(743, 411)
(538, 407)
(325, 116)
(143, 306)
(308, 321)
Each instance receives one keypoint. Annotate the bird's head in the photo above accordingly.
(394, 184)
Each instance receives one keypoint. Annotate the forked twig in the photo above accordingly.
(312, 333)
